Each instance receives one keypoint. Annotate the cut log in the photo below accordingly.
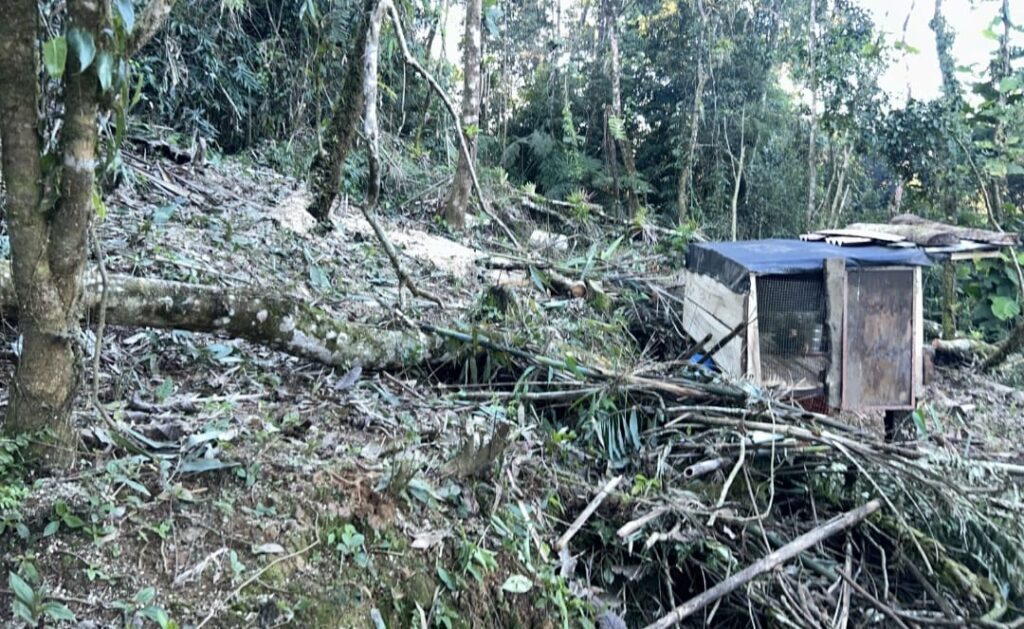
(279, 321)
(960, 351)
(925, 233)
(963, 233)
(921, 235)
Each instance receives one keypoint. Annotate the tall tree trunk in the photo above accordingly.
(442, 15)
(48, 244)
(737, 169)
(696, 111)
(944, 51)
(812, 142)
(625, 146)
(371, 56)
(47, 247)
(329, 163)
(952, 97)
(458, 198)
(999, 185)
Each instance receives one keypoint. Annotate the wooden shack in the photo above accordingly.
(840, 326)
(836, 318)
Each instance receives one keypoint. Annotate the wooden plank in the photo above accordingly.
(753, 367)
(847, 241)
(711, 308)
(980, 254)
(918, 354)
(714, 297)
(698, 323)
(835, 287)
(878, 364)
(871, 234)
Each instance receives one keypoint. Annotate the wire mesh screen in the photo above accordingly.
(791, 324)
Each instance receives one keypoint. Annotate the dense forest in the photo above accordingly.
(372, 313)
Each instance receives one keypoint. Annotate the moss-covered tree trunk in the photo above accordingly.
(329, 163)
(48, 239)
(47, 245)
(458, 198)
(269, 318)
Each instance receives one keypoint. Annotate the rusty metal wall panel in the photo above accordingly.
(879, 365)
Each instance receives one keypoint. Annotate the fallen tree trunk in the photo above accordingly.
(1014, 343)
(276, 320)
(960, 351)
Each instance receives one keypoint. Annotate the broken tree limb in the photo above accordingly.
(582, 518)
(279, 321)
(767, 563)
(411, 60)
(680, 389)
(706, 467)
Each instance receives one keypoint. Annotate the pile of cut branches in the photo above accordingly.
(684, 495)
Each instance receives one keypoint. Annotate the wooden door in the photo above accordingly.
(878, 356)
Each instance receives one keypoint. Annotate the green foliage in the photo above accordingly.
(83, 47)
(141, 607)
(12, 486)
(349, 543)
(255, 72)
(991, 295)
(55, 54)
(30, 605)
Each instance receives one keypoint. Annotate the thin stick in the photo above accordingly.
(633, 526)
(459, 131)
(582, 518)
(877, 604)
(231, 595)
(766, 563)
(729, 481)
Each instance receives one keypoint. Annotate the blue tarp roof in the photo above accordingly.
(731, 262)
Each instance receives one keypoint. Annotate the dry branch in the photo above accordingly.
(766, 563)
(582, 518)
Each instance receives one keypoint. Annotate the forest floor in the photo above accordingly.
(286, 493)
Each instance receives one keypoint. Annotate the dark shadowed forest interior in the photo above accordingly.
(511, 313)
